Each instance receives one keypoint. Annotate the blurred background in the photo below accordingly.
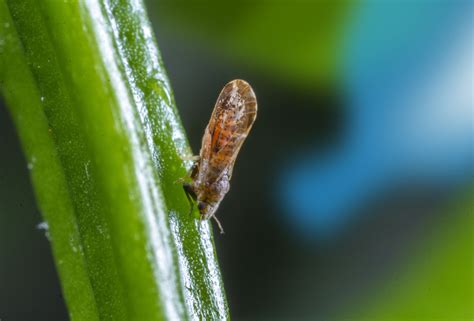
(352, 198)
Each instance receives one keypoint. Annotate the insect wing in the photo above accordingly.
(231, 121)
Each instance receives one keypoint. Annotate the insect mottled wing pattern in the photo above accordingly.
(233, 116)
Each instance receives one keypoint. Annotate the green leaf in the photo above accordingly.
(88, 94)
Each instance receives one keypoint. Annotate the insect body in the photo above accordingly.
(233, 116)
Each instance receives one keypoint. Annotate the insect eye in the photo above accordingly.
(201, 206)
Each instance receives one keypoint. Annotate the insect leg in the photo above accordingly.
(182, 180)
(191, 158)
(189, 175)
(191, 204)
(190, 195)
(218, 224)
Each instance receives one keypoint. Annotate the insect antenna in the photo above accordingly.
(218, 224)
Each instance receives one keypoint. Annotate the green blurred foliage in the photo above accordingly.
(298, 41)
(437, 281)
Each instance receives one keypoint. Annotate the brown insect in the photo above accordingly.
(233, 116)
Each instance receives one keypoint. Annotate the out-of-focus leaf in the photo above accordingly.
(438, 284)
(297, 40)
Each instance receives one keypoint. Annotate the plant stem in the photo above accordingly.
(94, 111)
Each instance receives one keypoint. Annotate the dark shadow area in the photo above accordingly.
(29, 287)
